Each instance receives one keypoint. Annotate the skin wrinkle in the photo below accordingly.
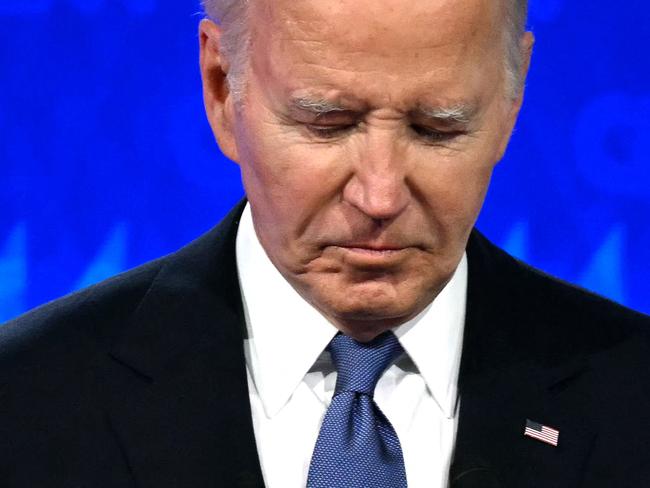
(318, 65)
(317, 106)
(460, 113)
(513, 11)
(367, 224)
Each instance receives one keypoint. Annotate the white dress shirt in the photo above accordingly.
(291, 377)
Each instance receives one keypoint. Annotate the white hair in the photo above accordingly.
(232, 16)
(516, 19)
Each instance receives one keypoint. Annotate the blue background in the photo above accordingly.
(106, 160)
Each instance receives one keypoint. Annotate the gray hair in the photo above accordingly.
(516, 19)
(235, 40)
(232, 16)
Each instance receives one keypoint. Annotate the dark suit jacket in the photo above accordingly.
(140, 381)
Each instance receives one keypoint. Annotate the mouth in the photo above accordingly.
(378, 251)
(368, 254)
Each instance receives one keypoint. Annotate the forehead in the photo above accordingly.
(379, 50)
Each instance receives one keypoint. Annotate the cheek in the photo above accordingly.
(276, 161)
(297, 178)
(453, 189)
(292, 186)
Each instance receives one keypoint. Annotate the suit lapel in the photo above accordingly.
(494, 408)
(176, 391)
(175, 383)
(504, 381)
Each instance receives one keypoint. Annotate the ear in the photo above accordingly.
(526, 47)
(217, 99)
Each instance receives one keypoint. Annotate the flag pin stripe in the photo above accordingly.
(541, 432)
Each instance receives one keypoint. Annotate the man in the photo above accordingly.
(345, 326)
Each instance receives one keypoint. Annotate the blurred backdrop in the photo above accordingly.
(107, 161)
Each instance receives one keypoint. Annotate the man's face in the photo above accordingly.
(366, 140)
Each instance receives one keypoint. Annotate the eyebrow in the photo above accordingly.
(460, 113)
(317, 106)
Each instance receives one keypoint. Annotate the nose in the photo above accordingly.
(378, 186)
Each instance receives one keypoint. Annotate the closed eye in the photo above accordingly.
(435, 136)
(432, 136)
(329, 131)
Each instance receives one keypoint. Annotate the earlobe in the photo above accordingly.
(526, 46)
(216, 94)
(527, 43)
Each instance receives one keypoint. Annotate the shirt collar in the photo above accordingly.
(286, 334)
(434, 338)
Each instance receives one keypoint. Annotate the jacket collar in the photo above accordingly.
(528, 353)
(176, 388)
(194, 285)
(175, 384)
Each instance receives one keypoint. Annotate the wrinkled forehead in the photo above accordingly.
(375, 25)
(392, 39)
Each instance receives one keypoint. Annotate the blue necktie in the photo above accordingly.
(357, 446)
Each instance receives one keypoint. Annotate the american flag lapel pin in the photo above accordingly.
(541, 432)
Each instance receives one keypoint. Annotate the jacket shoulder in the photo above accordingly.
(72, 331)
(546, 315)
(77, 324)
(574, 303)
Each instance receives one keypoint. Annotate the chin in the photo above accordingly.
(364, 314)
(368, 303)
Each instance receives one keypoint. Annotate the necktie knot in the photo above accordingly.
(360, 364)
(357, 446)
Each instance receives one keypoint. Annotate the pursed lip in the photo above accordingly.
(373, 256)
(369, 249)
(372, 247)
(372, 250)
